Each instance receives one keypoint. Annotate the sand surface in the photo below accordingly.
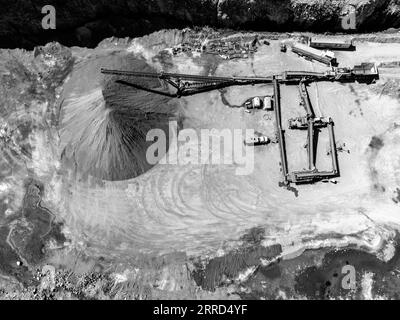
(202, 208)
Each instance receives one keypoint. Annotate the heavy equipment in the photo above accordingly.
(325, 57)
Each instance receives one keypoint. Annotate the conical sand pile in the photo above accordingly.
(104, 123)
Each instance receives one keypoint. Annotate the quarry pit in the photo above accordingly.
(80, 136)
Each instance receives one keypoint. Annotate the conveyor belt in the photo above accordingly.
(306, 100)
(333, 148)
(187, 84)
(197, 78)
(279, 130)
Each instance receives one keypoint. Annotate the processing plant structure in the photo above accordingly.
(186, 84)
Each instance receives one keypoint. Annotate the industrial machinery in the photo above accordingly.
(305, 100)
(301, 123)
(296, 76)
(325, 57)
(256, 141)
(263, 102)
(364, 73)
(191, 84)
(253, 103)
(187, 84)
(310, 123)
(332, 44)
(312, 175)
(280, 133)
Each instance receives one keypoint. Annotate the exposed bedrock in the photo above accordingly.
(87, 22)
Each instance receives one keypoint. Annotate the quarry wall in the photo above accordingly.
(87, 22)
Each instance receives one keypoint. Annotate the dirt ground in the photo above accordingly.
(202, 208)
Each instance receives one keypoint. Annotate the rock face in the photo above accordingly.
(86, 22)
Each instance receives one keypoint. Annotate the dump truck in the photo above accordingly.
(256, 141)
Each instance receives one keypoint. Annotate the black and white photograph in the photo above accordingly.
(216, 151)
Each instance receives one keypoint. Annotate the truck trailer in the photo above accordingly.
(331, 44)
(325, 57)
